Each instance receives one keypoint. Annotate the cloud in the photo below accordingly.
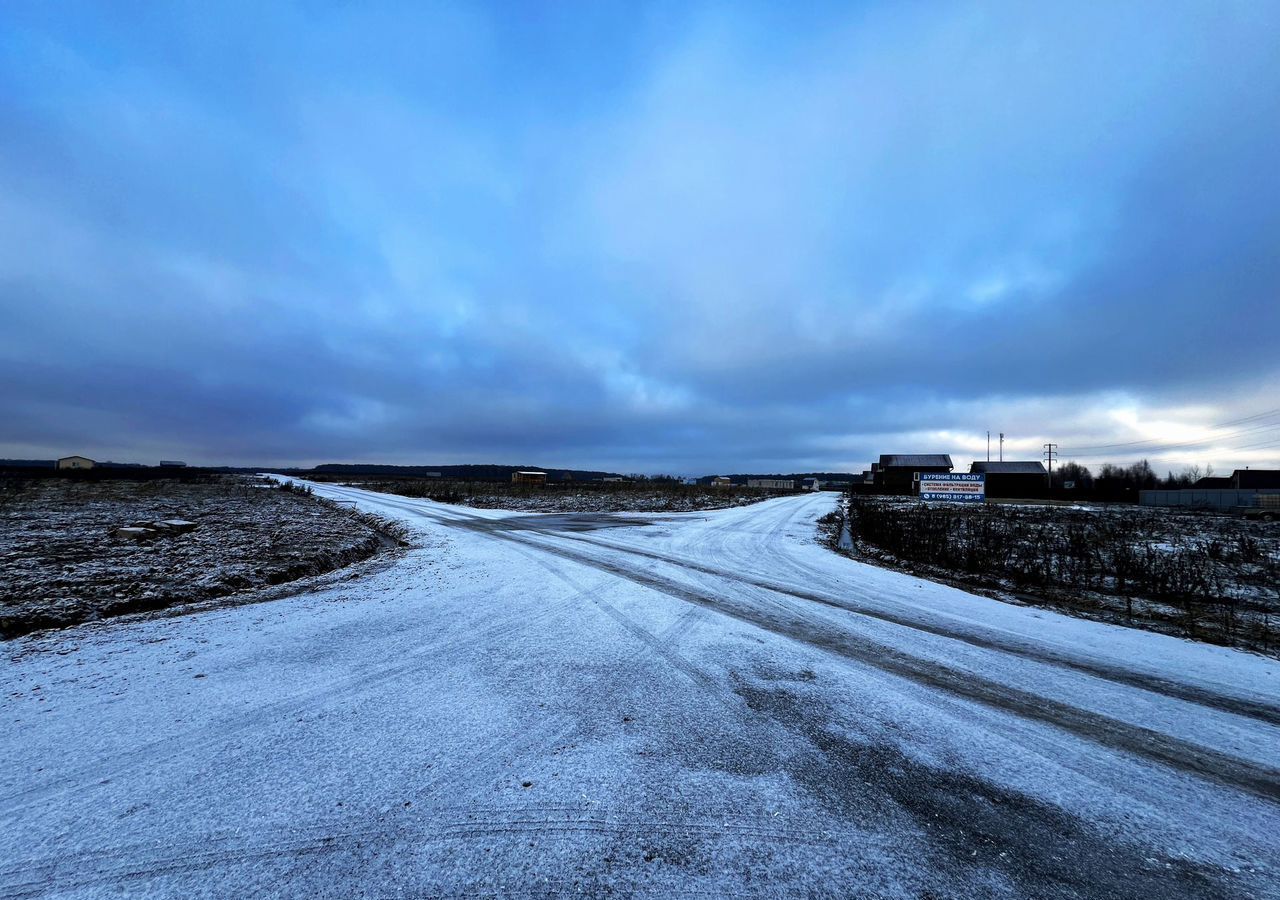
(719, 240)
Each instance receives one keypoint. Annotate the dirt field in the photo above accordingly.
(581, 497)
(1208, 577)
(60, 562)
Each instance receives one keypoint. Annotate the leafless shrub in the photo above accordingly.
(1221, 576)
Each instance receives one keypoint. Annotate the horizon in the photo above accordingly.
(657, 239)
(958, 466)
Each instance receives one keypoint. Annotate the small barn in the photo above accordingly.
(76, 462)
(722, 481)
(1020, 479)
(528, 477)
(899, 473)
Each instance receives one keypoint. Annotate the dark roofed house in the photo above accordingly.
(918, 462)
(1255, 479)
(896, 473)
(1023, 479)
(1012, 467)
(1214, 483)
(866, 482)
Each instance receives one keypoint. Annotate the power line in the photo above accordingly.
(1162, 443)
(1155, 445)
(1192, 446)
(1269, 442)
(1265, 446)
(1262, 415)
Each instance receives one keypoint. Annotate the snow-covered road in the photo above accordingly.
(708, 703)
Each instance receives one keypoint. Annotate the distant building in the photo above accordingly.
(772, 484)
(76, 462)
(722, 481)
(528, 477)
(1022, 479)
(811, 484)
(172, 464)
(899, 473)
(867, 481)
(1214, 483)
(1255, 479)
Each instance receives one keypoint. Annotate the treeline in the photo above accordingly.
(114, 472)
(1120, 483)
(458, 473)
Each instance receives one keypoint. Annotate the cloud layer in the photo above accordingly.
(671, 240)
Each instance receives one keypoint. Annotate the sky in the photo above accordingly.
(665, 238)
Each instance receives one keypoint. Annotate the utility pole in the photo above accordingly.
(988, 446)
(1002, 446)
(1050, 453)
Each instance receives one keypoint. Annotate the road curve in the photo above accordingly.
(690, 704)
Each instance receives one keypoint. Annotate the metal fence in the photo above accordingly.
(1194, 499)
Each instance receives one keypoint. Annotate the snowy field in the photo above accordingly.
(61, 564)
(709, 704)
(560, 497)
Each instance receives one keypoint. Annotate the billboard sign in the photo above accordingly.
(956, 487)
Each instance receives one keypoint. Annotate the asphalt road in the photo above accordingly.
(698, 704)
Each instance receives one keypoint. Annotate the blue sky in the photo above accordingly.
(645, 237)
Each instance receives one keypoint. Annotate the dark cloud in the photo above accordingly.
(697, 243)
